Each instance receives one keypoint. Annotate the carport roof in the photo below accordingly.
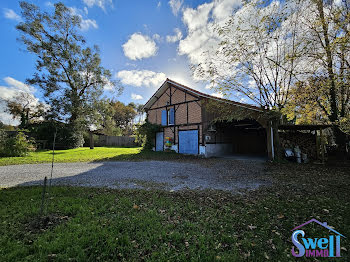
(168, 82)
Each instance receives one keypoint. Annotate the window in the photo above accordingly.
(171, 116)
(168, 117)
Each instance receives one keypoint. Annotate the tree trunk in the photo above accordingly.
(91, 140)
(277, 141)
(340, 140)
(334, 116)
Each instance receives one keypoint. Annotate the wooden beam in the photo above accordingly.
(180, 103)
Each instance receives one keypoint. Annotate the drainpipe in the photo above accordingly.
(272, 146)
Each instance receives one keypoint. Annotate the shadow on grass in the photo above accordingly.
(145, 155)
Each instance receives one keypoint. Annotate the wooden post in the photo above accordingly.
(91, 140)
(322, 145)
(269, 140)
(317, 145)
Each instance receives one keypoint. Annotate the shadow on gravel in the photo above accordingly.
(212, 174)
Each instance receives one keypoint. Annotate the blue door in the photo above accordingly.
(159, 141)
(188, 142)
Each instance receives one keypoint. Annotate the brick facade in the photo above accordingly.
(191, 113)
(188, 112)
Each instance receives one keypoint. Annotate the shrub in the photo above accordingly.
(145, 133)
(3, 138)
(18, 145)
(67, 137)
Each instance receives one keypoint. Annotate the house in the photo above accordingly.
(188, 123)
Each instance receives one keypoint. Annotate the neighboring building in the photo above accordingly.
(188, 124)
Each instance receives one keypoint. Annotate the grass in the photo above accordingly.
(85, 154)
(84, 224)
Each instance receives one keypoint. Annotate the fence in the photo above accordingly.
(116, 141)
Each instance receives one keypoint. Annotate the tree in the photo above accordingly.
(308, 103)
(25, 107)
(69, 73)
(124, 116)
(104, 116)
(140, 113)
(327, 52)
(258, 55)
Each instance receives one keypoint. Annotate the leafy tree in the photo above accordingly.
(124, 116)
(257, 55)
(25, 107)
(104, 117)
(308, 102)
(140, 113)
(326, 55)
(69, 72)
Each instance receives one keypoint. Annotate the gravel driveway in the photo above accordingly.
(222, 175)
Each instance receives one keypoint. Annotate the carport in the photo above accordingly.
(245, 137)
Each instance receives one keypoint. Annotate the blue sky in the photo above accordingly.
(141, 42)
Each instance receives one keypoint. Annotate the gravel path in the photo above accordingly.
(222, 175)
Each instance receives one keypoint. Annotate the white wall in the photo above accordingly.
(217, 149)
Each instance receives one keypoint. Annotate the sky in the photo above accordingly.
(142, 42)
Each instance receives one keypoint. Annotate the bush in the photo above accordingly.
(3, 138)
(67, 137)
(18, 145)
(145, 133)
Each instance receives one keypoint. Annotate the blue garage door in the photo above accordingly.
(159, 141)
(188, 142)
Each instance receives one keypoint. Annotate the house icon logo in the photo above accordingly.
(316, 247)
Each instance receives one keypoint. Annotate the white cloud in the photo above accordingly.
(100, 3)
(197, 18)
(18, 85)
(157, 38)
(200, 22)
(10, 14)
(141, 78)
(217, 94)
(139, 46)
(136, 97)
(209, 86)
(49, 4)
(175, 6)
(109, 85)
(13, 88)
(174, 38)
(243, 100)
(159, 4)
(85, 24)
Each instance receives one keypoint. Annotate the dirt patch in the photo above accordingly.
(41, 224)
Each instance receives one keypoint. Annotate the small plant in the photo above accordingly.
(18, 145)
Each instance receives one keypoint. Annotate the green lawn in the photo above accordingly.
(85, 154)
(85, 224)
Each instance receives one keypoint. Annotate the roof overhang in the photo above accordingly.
(169, 82)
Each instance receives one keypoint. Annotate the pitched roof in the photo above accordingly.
(320, 223)
(168, 81)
